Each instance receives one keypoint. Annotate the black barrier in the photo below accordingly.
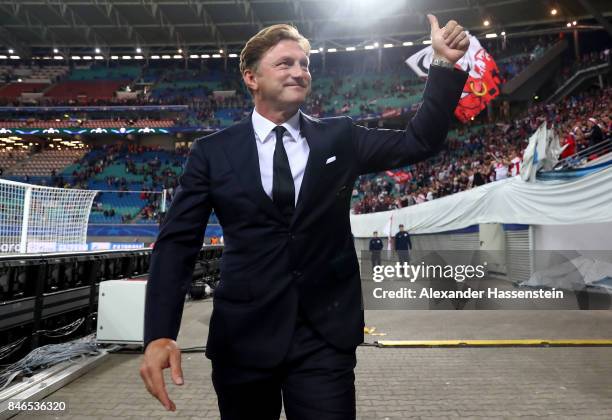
(42, 292)
(206, 272)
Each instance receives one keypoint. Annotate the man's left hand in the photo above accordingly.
(449, 42)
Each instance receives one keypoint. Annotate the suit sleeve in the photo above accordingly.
(380, 149)
(176, 249)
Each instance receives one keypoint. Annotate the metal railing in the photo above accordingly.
(578, 77)
(600, 149)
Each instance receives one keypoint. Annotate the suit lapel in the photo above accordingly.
(241, 152)
(313, 132)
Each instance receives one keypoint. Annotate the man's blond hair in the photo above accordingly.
(265, 39)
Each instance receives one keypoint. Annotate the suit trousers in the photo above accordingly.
(375, 258)
(403, 255)
(315, 382)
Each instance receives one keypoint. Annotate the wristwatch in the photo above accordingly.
(442, 62)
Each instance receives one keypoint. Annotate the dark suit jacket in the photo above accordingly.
(273, 267)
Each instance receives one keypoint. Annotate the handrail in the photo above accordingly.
(578, 76)
(601, 148)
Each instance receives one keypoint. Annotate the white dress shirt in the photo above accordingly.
(296, 147)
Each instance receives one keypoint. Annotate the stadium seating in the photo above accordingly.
(130, 182)
(42, 164)
(181, 84)
(493, 151)
(128, 204)
(10, 158)
(84, 91)
(49, 74)
(105, 73)
(140, 123)
(357, 96)
(14, 90)
(360, 95)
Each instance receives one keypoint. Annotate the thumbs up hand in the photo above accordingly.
(449, 42)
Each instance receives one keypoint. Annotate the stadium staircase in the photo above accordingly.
(578, 79)
(538, 72)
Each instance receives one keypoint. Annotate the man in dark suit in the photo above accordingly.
(287, 315)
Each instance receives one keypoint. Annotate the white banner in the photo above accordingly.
(542, 152)
(583, 200)
(420, 61)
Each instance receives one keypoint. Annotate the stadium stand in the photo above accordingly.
(140, 123)
(363, 94)
(15, 90)
(85, 91)
(46, 163)
(479, 155)
(47, 74)
(115, 170)
(515, 58)
(10, 158)
(90, 73)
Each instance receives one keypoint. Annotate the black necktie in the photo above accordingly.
(283, 189)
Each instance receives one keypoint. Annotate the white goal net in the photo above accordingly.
(34, 218)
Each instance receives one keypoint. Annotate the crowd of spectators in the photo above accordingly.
(334, 93)
(475, 156)
(516, 57)
(157, 175)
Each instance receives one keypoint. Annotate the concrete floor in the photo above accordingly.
(400, 383)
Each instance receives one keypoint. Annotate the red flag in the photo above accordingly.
(483, 82)
(480, 88)
(399, 175)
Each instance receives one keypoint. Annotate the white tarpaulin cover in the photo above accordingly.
(590, 271)
(587, 199)
(542, 152)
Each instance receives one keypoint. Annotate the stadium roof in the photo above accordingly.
(193, 25)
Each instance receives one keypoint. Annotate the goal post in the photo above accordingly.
(36, 218)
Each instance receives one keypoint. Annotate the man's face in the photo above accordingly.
(282, 78)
